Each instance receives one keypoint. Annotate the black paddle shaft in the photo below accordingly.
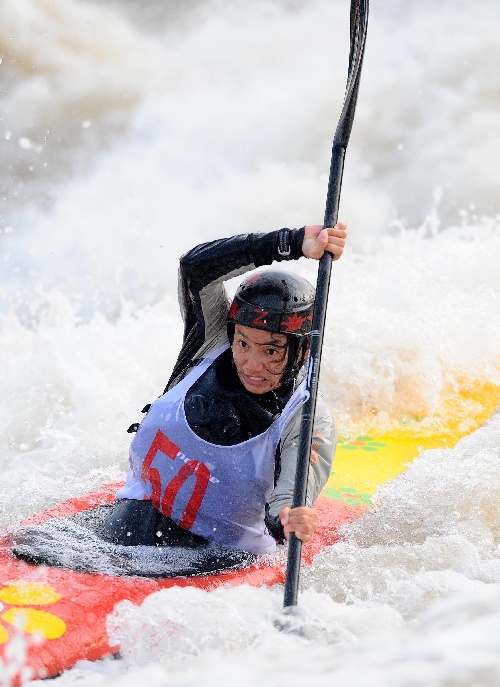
(359, 25)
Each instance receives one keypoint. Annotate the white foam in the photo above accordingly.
(125, 146)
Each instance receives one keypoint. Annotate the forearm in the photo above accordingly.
(217, 260)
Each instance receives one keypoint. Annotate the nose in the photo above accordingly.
(253, 363)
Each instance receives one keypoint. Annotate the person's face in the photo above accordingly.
(260, 358)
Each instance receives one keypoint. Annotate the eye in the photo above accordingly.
(275, 353)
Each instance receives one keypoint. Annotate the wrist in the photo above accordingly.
(289, 244)
(284, 243)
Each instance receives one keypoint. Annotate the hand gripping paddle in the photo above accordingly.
(359, 26)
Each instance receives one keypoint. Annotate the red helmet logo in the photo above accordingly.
(294, 323)
(233, 310)
(260, 318)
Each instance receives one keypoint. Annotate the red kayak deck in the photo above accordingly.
(61, 614)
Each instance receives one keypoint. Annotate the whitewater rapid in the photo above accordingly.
(129, 133)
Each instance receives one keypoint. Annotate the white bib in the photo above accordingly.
(218, 492)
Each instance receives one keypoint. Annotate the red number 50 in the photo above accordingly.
(193, 467)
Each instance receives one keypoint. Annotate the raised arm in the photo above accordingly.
(204, 269)
(202, 296)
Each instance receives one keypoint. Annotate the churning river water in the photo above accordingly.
(132, 131)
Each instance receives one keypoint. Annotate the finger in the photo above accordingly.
(284, 515)
(340, 229)
(301, 519)
(284, 511)
(301, 523)
(302, 532)
(336, 249)
(323, 237)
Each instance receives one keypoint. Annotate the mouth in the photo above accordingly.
(256, 382)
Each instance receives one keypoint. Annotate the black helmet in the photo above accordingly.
(278, 302)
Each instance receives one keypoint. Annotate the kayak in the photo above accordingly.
(63, 613)
(51, 617)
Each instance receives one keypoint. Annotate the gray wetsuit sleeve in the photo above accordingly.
(324, 443)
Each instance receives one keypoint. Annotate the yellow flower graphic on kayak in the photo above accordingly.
(16, 601)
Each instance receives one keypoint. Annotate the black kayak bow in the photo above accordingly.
(359, 26)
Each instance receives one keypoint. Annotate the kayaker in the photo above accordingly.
(214, 457)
